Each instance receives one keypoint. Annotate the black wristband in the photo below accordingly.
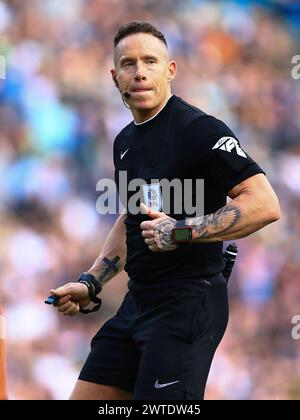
(94, 288)
(92, 284)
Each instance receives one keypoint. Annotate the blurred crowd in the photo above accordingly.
(59, 114)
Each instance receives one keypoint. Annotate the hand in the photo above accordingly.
(158, 232)
(73, 296)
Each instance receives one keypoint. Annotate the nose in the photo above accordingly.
(140, 73)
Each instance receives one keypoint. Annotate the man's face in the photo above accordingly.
(143, 69)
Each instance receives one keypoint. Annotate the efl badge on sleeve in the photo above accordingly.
(152, 196)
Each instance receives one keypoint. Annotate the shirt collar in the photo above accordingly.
(144, 122)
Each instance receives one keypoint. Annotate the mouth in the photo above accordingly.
(141, 90)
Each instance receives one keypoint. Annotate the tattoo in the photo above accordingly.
(163, 234)
(108, 268)
(213, 224)
(111, 265)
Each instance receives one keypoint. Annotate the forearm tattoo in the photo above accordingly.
(214, 224)
(107, 268)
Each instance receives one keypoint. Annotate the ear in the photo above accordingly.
(114, 77)
(172, 70)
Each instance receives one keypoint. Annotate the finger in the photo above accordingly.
(144, 208)
(64, 300)
(147, 233)
(70, 310)
(75, 312)
(150, 241)
(61, 291)
(154, 248)
(66, 306)
(157, 241)
(76, 309)
(155, 214)
(150, 212)
(146, 225)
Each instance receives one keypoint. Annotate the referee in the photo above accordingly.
(161, 342)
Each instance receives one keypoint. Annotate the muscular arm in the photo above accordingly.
(254, 205)
(114, 250)
(73, 296)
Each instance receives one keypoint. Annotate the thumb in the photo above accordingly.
(60, 291)
(151, 213)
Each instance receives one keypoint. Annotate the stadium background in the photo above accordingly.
(59, 113)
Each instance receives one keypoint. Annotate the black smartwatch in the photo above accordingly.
(182, 233)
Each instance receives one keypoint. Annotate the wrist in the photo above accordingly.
(93, 273)
(93, 285)
(94, 288)
(85, 294)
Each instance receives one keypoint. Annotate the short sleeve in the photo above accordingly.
(215, 148)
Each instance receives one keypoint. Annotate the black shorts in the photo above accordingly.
(161, 346)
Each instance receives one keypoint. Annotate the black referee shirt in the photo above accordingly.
(180, 142)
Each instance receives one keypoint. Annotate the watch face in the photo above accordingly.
(183, 234)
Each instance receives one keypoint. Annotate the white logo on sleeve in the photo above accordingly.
(158, 386)
(123, 154)
(228, 144)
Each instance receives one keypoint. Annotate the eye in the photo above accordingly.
(128, 63)
(150, 61)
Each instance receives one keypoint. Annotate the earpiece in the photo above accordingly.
(125, 94)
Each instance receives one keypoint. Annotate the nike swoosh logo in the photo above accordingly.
(123, 154)
(158, 386)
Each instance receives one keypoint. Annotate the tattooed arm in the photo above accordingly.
(254, 205)
(113, 253)
(111, 261)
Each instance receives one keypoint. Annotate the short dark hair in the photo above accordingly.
(135, 27)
